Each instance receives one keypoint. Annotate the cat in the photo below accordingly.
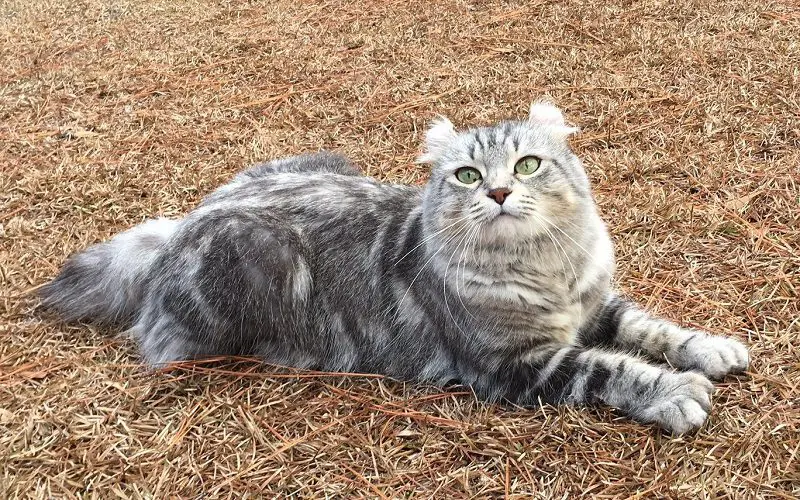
(495, 275)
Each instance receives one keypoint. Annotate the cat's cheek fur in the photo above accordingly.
(559, 208)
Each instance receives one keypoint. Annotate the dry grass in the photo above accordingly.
(114, 111)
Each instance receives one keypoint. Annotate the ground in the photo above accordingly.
(115, 111)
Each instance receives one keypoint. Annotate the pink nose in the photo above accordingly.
(499, 194)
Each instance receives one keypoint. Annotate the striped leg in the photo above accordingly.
(623, 325)
(676, 401)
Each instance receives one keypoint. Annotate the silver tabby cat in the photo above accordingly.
(495, 275)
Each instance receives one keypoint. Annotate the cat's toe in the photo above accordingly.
(715, 356)
(681, 405)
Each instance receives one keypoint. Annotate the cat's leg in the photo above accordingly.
(676, 401)
(623, 325)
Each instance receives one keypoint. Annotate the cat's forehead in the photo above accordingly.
(496, 132)
(503, 138)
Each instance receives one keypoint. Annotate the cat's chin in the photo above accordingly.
(505, 227)
(513, 229)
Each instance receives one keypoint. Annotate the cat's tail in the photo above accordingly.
(106, 282)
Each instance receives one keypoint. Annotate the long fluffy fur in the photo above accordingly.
(305, 262)
(107, 282)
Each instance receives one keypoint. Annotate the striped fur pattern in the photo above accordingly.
(306, 262)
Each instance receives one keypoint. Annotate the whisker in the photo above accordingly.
(432, 236)
(430, 259)
(444, 280)
(591, 257)
(472, 237)
(393, 342)
(574, 274)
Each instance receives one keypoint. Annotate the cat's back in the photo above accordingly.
(321, 196)
(314, 185)
(320, 162)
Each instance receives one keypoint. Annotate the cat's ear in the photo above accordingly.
(545, 113)
(439, 136)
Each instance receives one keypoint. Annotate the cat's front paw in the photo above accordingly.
(715, 356)
(680, 404)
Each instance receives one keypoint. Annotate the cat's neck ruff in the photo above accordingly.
(539, 254)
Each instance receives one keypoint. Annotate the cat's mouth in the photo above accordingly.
(506, 214)
(505, 221)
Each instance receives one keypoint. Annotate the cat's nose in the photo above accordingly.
(499, 194)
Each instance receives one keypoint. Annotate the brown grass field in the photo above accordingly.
(112, 112)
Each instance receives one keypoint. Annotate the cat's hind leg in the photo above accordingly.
(230, 283)
(622, 325)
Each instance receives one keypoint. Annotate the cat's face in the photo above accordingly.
(511, 181)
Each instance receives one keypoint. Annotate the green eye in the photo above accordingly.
(527, 165)
(468, 175)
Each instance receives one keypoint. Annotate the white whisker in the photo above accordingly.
(430, 259)
(444, 280)
(589, 255)
(472, 239)
(432, 236)
(392, 342)
(574, 274)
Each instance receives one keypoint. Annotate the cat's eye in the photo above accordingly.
(468, 175)
(527, 165)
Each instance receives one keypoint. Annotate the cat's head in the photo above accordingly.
(510, 181)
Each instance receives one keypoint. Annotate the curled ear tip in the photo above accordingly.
(573, 130)
(565, 131)
(440, 131)
(545, 101)
(546, 113)
(441, 121)
(545, 107)
(422, 159)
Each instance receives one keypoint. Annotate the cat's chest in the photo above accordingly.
(522, 303)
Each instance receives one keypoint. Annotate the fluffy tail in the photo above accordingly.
(106, 282)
